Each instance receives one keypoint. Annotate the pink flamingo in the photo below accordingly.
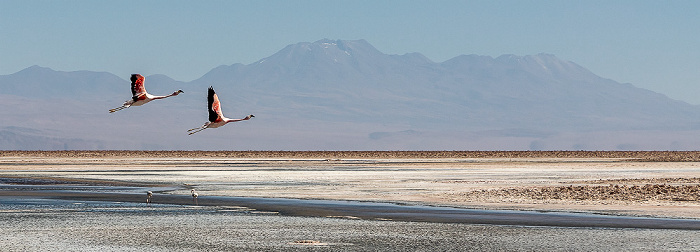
(216, 117)
(140, 96)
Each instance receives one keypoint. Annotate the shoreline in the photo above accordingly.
(381, 211)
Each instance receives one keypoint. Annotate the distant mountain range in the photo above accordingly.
(347, 95)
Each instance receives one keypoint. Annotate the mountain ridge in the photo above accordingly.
(346, 94)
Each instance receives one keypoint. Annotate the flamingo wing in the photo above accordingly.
(137, 87)
(214, 106)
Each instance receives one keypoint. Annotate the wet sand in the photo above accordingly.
(637, 184)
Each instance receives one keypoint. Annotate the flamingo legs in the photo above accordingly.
(195, 130)
(125, 105)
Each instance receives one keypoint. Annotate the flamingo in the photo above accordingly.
(140, 96)
(216, 117)
(194, 196)
(148, 196)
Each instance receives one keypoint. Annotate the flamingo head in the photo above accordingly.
(248, 117)
(178, 92)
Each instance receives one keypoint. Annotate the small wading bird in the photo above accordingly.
(194, 196)
(216, 118)
(148, 197)
(140, 96)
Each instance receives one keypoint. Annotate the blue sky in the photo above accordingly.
(651, 44)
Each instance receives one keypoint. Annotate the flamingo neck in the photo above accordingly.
(156, 97)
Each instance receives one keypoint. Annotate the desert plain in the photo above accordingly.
(636, 183)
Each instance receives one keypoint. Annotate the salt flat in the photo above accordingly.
(603, 183)
(580, 183)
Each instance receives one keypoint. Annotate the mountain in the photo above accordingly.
(42, 82)
(352, 80)
(340, 94)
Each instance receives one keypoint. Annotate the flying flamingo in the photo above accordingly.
(140, 96)
(216, 118)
